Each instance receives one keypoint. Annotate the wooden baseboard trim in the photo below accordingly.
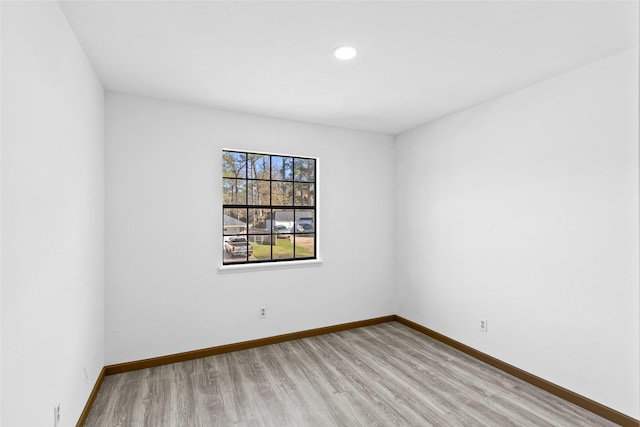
(92, 398)
(212, 351)
(568, 395)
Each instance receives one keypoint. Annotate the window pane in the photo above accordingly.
(283, 249)
(282, 220)
(258, 166)
(236, 249)
(281, 193)
(258, 219)
(281, 168)
(304, 193)
(234, 191)
(258, 193)
(304, 245)
(305, 221)
(234, 165)
(235, 221)
(261, 247)
(305, 170)
(282, 225)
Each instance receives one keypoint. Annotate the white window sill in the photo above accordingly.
(231, 268)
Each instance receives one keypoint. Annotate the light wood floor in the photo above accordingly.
(382, 375)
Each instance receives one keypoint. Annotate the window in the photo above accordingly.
(268, 207)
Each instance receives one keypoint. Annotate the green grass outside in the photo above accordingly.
(284, 249)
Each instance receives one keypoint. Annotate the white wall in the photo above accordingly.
(524, 210)
(164, 226)
(52, 218)
(1, 68)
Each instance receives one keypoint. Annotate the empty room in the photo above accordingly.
(320, 213)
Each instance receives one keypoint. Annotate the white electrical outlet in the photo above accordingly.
(483, 325)
(56, 415)
(262, 311)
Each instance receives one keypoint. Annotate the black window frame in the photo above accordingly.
(299, 212)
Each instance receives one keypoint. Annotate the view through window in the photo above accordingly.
(269, 207)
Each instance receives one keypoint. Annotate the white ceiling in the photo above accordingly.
(419, 60)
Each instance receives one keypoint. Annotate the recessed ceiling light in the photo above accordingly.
(345, 52)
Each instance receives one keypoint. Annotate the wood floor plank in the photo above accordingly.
(380, 375)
